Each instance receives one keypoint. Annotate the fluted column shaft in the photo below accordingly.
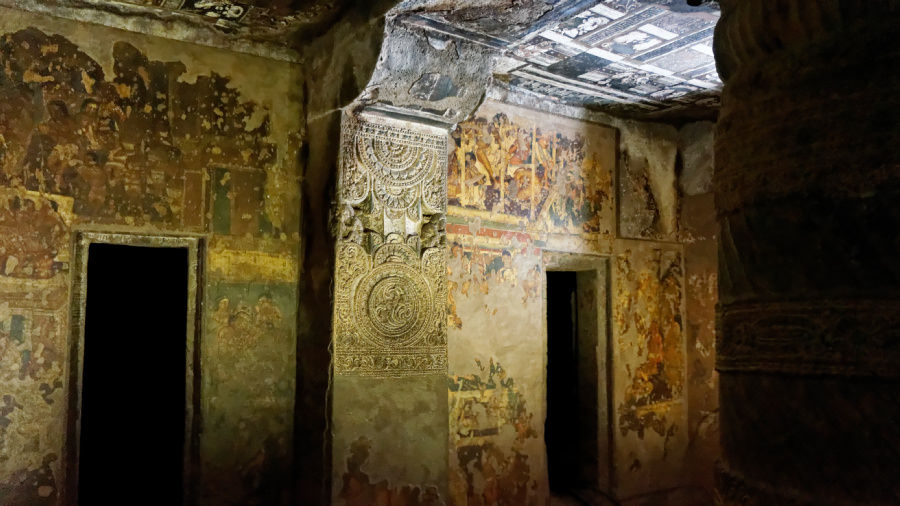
(808, 201)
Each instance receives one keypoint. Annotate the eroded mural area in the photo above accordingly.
(248, 389)
(34, 256)
(359, 489)
(650, 359)
(491, 425)
(533, 175)
(649, 199)
(133, 147)
(496, 452)
(138, 145)
(474, 270)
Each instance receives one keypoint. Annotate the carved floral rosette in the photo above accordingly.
(390, 310)
(390, 289)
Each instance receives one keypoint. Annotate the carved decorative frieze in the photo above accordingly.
(845, 337)
(390, 279)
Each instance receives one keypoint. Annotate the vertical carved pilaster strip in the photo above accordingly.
(389, 408)
(390, 299)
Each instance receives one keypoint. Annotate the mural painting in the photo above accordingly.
(101, 136)
(533, 174)
(133, 147)
(490, 424)
(474, 269)
(249, 389)
(34, 235)
(649, 356)
(496, 423)
(522, 184)
(649, 298)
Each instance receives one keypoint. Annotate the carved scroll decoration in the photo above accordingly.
(390, 280)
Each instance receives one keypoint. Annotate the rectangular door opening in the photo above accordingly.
(575, 431)
(132, 412)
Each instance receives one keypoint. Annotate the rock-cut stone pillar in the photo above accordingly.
(389, 408)
(808, 202)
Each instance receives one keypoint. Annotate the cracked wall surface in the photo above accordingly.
(109, 131)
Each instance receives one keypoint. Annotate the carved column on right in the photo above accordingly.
(808, 202)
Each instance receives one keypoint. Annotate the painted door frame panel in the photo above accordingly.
(195, 245)
(600, 264)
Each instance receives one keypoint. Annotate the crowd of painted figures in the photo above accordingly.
(533, 173)
(118, 145)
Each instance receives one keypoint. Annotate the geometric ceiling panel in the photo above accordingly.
(633, 57)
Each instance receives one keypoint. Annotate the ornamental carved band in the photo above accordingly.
(390, 268)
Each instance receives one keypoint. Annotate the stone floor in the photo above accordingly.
(580, 499)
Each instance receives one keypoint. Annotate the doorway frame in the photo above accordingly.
(75, 360)
(555, 261)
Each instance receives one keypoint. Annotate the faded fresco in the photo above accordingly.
(649, 362)
(491, 425)
(496, 357)
(96, 134)
(248, 390)
(522, 185)
(533, 172)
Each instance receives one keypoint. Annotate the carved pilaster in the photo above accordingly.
(390, 281)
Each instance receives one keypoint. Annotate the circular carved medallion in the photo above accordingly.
(393, 304)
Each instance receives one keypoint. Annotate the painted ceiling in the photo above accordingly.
(630, 57)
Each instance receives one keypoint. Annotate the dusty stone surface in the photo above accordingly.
(695, 142)
(412, 68)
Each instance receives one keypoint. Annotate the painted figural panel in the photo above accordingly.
(532, 172)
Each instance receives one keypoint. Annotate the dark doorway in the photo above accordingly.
(562, 380)
(132, 414)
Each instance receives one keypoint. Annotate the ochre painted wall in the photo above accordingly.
(105, 130)
(524, 184)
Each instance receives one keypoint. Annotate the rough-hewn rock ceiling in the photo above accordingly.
(267, 14)
(640, 58)
(279, 22)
